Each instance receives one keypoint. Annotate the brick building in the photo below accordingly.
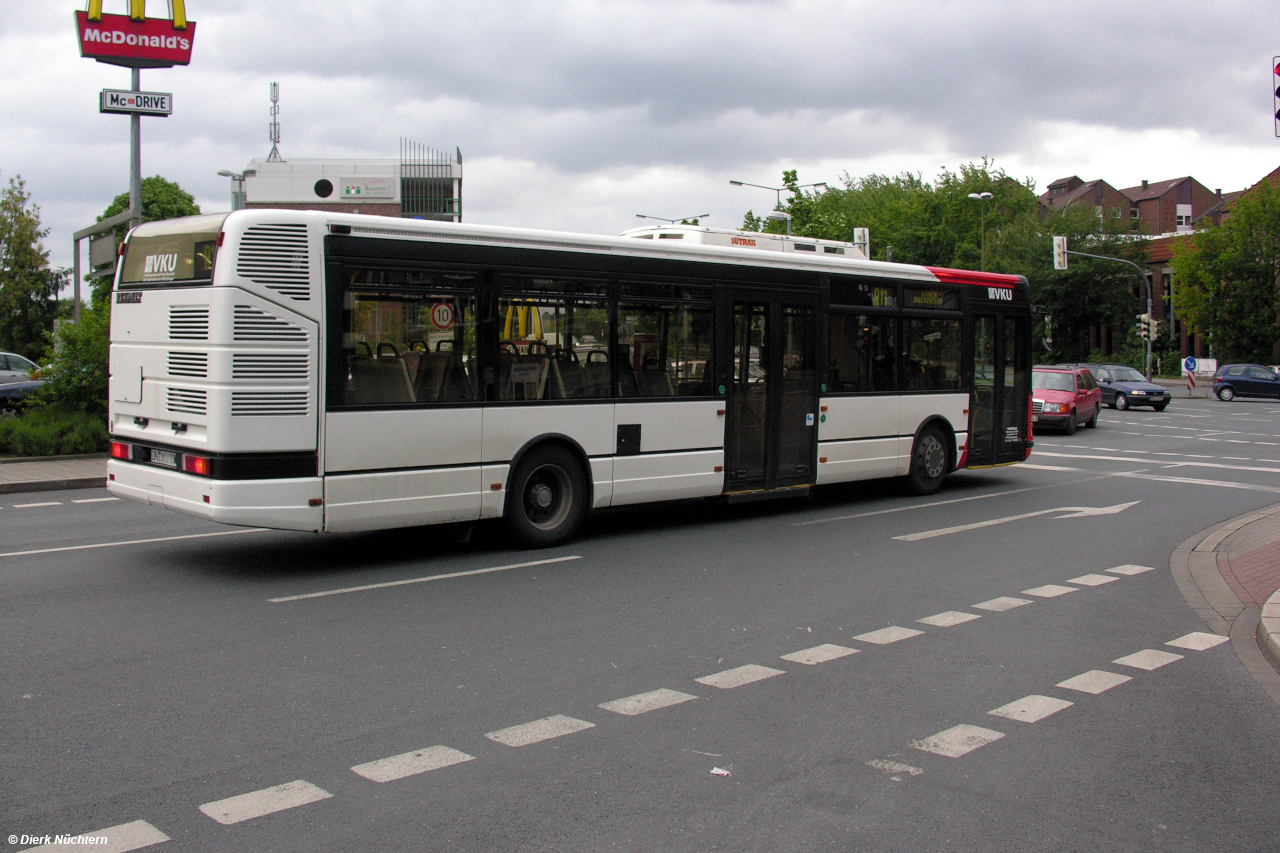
(1169, 207)
(1106, 200)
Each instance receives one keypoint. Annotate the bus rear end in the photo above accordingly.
(214, 380)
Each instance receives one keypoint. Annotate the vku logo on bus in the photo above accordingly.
(160, 263)
(992, 293)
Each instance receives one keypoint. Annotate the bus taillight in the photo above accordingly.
(201, 465)
(120, 450)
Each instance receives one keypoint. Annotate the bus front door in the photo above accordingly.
(771, 435)
(1001, 388)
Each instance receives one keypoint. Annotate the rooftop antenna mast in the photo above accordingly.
(274, 129)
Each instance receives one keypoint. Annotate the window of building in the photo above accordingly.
(864, 353)
(933, 354)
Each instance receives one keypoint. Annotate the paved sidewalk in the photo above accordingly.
(1230, 575)
(52, 475)
(1178, 387)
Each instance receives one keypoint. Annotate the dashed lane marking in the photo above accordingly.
(410, 763)
(1092, 580)
(1035, 467)
(643, 703)
(426, 579)
(120, 839)
(948, 618)
(267, 801)
(1148, 659)
(1130, 569)
(1001, 604)
(1094, 681)
(957, 740)
(42, 503)
(1197, 641)
(133, 542)
(94, 500)
(894, 767)
(915, 506)
(892, 634)
(1051, 590)
(539, 730)
(1031, 709)
(819, 654)
(738, 676)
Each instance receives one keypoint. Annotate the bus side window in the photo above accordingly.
(864, 353)
(664, 349)
(933, 355)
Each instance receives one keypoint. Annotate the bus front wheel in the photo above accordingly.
(929, 463)
(546, 498)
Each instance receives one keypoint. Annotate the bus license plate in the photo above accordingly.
(167, 458)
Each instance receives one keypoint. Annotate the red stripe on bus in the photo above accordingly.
(984, 279)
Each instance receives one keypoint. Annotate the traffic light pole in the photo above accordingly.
(1146, 285)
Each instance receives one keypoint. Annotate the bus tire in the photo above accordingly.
(546, 498)
(929, 462)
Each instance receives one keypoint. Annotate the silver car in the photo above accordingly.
(14, 368)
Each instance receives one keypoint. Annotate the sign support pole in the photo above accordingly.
(1145, 284)
(135, 158)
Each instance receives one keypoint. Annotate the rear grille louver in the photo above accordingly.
(187, 400)
(188, 324)
(269, 366)
(267, 403)
(252, 324)
(193, 364)
(277, 256)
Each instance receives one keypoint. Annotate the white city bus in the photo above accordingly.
(321, 371)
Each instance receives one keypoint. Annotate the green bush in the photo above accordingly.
(53, 430)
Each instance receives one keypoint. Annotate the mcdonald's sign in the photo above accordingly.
(134, 40)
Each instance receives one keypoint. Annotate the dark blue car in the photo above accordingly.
(1123, 387)
(1245, 380)
(13, 395)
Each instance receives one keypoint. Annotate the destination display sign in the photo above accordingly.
(142, 103)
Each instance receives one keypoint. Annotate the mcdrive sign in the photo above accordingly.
(135, 42)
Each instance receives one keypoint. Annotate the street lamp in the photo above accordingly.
(779, 190)
(237, 193)
(779, 216)
(673, 221)
(982, 198)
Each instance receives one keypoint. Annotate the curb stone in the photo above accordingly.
(1254, 633)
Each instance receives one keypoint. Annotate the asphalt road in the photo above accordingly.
(146, 679)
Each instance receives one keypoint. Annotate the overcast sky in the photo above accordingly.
(579, 114)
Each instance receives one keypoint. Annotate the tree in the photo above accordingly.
(161, 199)
(28, 288)
(937, 224)
(1227, 279)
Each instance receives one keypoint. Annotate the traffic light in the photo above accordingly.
(1275, 89)
(1154, 329)
(1060, 243)
(1143, 326)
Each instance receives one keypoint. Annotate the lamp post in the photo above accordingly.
(673, 221)
(982, 199)
(779, 216)
(779, 190)
(237, 192)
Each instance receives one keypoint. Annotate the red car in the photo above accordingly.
(1064, 397)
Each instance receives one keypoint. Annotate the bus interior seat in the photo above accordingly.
(379, 380)
(653, 381)
(595, 374)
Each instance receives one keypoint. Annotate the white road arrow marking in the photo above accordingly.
(1071, 512)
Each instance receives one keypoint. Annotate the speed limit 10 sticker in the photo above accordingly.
(442, 316)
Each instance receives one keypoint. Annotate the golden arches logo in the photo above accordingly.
(138, 12)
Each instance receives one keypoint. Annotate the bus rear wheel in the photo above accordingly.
(546, 498)
(928, 463)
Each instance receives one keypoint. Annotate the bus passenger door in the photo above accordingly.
(771, 434)
(1001, 385)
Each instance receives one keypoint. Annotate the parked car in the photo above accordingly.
(1245, 380)
(13, 395)
(1123, 387)
(1064, 397)
(14, 368)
